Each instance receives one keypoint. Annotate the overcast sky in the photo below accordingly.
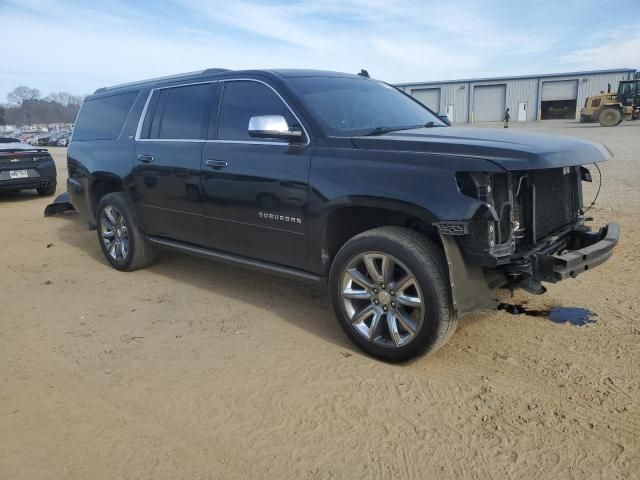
(78, 46)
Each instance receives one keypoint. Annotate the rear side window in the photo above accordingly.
(180, 113)
(242, 100)
(103, 118)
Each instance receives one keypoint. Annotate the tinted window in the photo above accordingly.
(242, 100)
(103, 118)
(180, 112)
(354, 106)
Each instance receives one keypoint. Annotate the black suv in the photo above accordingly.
(340, 179)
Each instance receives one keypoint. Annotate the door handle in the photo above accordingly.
(218, 163)
(145, 158)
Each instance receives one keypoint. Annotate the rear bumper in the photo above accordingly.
(41, 174)
(591, 249)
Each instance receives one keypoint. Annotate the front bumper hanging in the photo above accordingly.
(591, 250)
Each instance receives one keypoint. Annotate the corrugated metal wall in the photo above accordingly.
(525, 90)
(593, 84)
(529, 90)
(456, 94)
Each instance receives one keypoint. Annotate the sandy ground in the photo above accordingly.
(195, 370)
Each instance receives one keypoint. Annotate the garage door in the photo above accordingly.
(429, 97)
(488, 103)
(559, 90)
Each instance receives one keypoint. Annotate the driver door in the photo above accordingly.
(255, 189)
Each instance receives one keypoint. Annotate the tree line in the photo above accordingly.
(27, 107)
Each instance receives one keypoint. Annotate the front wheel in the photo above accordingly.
(121, 239)
(390, 292)
(610, 117)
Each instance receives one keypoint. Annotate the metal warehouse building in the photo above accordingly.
(531, 97)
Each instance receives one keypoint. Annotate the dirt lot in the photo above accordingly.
(191, 369)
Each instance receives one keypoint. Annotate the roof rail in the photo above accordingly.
(215, 70)
(157, 79)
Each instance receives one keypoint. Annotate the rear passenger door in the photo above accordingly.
(167, 161)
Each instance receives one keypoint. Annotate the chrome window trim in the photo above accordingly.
(246, 142)
(249, 142)
(191, 140)
(144, 114)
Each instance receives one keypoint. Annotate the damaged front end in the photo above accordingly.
(531, 227)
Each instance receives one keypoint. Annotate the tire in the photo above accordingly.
(610, 117)
(126, 249)
(48, 190)
(418, 329)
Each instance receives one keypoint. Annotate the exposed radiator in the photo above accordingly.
(556, 199)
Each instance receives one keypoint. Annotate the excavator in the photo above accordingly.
(610, 109)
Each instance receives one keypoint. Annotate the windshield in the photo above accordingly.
(628, 89)
(354, 106)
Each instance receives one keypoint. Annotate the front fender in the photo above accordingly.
(470, 289)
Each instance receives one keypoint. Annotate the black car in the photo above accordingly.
(24, 167)
(335, 179)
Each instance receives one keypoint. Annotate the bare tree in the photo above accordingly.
(20, 94)
(64, 98)
(27, 107)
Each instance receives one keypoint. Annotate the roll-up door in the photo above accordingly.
(559, 90)
(429, 97)
(489, 102)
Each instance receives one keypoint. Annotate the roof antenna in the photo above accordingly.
(364, 73)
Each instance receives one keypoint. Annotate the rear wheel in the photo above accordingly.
(121, 239)
(48, 190)
(610, 117)
(390, 292)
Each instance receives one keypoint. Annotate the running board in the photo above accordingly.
(245, 262)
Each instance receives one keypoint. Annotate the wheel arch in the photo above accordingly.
(347, 217)
(469, 287)
(103, 183)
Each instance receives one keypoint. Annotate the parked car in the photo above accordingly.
(53, 139)
(43, 140)
(340, 180)
(39, 139)
(64, 141)
(23, 167)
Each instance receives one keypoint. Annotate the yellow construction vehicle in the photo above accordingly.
(610, 109)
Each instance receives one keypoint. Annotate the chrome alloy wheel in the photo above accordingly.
(382, 299)
(114, 232)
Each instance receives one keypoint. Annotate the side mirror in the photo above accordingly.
(273, 126)
(444, 118)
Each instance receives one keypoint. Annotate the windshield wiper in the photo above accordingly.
(378, 131)
(381, 130)
(431, 125)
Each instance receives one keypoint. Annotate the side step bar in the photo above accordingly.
(240, 261)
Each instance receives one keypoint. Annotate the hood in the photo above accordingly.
(511, 150)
